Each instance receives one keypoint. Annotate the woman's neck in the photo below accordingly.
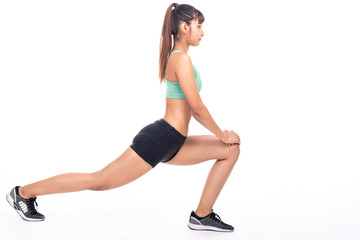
(182, 46)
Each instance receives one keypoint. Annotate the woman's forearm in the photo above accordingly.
(203, 116)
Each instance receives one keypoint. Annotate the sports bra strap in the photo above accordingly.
(174, 52)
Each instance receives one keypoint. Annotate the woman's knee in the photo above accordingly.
(234, 152)
(236, 149)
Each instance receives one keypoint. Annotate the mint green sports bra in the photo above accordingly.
(173, 89)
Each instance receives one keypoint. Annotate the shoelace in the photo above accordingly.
(214, 215)
(31, 205)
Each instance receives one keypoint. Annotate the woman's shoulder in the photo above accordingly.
(182, 59)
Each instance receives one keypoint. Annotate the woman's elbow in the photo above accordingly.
(198, 109)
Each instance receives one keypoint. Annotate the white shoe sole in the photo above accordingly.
(11, 202)
(207, 228)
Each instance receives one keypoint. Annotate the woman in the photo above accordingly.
(165, 140)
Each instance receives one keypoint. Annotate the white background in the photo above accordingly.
(79, 80)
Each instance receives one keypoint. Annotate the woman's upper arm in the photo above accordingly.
(185, 73)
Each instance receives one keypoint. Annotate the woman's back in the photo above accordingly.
(178, 111)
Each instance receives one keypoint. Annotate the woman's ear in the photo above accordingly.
(184, 27)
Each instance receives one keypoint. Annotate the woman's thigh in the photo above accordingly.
(125, 169)
(200, 148)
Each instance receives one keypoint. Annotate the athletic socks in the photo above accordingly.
(211, 222)
(24, 207)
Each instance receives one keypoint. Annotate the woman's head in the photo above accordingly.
(184, 24)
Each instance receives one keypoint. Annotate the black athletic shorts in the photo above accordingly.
(157, 142)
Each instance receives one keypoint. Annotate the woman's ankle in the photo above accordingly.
(202, 213)
(23, 194)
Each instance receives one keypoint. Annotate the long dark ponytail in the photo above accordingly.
(173, 17)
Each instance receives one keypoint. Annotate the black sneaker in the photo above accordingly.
(24, 207)
(211, 222)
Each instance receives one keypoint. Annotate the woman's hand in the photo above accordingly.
(231, 138)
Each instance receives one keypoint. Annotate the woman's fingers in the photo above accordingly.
(231, 144)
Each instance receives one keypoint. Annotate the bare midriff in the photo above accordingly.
(178, 114)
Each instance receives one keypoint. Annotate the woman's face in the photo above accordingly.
(195, 34)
